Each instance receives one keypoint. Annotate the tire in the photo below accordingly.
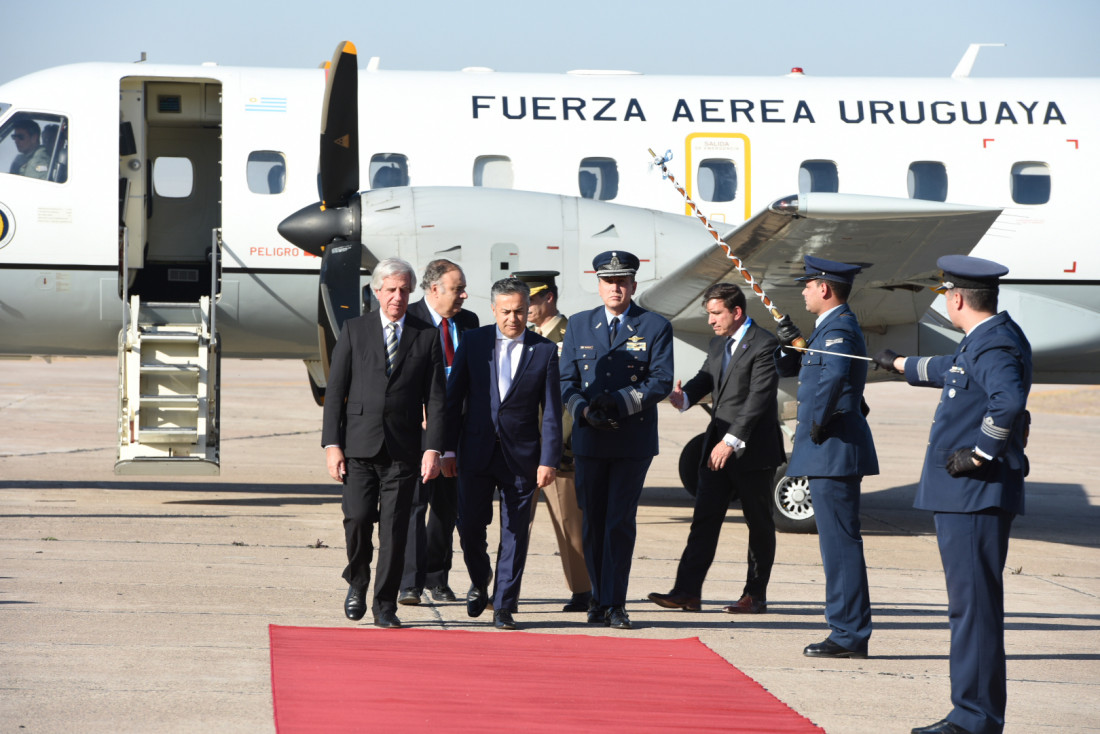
(691, 458)
(792, 507)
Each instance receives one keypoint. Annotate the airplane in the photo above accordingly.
(167, 252)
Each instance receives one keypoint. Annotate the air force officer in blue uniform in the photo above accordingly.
(973, 480)
(616, 365)
(833, 447)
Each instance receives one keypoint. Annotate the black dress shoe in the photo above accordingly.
(941, 727)
(674, 600)
(578, 602)
(387, 620)
(442, 593)
(596, 613)
(829, 649)
(477, 598)
(502, 620)
(617, 619)
(355, 603)
(409, 596)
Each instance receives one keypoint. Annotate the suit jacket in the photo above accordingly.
(830, 393)
(985, 386)
(365, 409)
(463, 321)
(525, 441)
(745, 399)
(637, 370)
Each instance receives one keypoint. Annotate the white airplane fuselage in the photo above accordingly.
(60, 273)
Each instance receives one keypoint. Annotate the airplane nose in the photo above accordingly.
(311, 227)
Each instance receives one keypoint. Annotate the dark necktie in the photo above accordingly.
(614, 330)
(448, 345)
(727, 355)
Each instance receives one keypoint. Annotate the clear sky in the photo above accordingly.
(762, 37)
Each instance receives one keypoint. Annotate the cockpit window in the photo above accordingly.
(4, 108)
(36, 146)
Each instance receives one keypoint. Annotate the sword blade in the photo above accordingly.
(833, 354)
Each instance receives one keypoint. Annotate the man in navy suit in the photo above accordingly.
(833, 447)
(504, 376)
(616, 365)
(428, 550)
(973, 481)
(743, 447)
(386, 375)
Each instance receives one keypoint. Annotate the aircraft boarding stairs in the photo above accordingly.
(169, 387)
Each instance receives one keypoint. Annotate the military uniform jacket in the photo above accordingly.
(985, 385)
(830, 393)
(637, 370)
(554, 330)
(744, 398)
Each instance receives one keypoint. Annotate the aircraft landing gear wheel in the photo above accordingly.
(794, 510)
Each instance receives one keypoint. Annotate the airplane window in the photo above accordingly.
(1030, 183)
(266, 171)
(388, 170)
(818, 176)
(36, 146)
(493, 171)
(173, 178)
(598, 178)
(927, 180)
(717, 180)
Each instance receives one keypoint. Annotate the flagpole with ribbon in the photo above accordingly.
(660, 161)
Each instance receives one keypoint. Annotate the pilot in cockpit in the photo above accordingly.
(33, 159)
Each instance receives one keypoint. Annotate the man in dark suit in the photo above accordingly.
(428, 550)
(973, 481)
(507, 438)
(743, 446)
(833, 447)
(386, 374)
(561, 496)
(616, 366)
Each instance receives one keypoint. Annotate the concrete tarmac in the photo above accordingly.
(134, 604)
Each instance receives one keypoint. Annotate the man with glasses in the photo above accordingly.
(429, 549)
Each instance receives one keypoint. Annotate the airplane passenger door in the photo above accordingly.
(170, 185)
(717, 176)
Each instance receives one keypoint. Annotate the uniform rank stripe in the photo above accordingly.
(571, 406)
(633, 400)
(922, 368)
(994, 432)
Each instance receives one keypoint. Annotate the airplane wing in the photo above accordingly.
(896, 240)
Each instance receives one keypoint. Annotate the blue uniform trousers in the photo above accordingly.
(475, 512)
(847, 600)
(973, 548)
(608, 491)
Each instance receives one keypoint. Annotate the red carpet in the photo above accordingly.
(345, 680)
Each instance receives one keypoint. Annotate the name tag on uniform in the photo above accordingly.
(831, 342)
(635, 344)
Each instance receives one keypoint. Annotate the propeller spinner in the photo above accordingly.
(332, 228)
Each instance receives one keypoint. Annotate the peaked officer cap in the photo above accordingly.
(964, 271)
(614, 263)
(818, 268)
(537, 280)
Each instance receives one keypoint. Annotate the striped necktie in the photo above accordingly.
(391, 347)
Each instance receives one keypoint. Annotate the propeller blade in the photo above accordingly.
(339, 164)
(339, 297)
